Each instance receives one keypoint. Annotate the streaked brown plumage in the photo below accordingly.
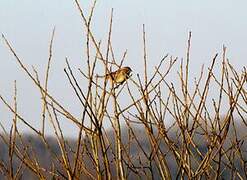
(119, 76)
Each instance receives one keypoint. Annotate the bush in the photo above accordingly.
(165, 131)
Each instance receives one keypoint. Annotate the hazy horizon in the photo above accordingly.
(28, 26)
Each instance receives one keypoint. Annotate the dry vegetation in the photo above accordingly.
(198, 143)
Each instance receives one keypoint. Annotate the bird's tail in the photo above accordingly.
(99, 76)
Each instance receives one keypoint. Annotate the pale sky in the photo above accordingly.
(28, 24)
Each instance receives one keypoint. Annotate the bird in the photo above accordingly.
(119, 76)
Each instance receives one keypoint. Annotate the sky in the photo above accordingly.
(28, 24)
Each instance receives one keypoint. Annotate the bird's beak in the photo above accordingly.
(130, 74)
